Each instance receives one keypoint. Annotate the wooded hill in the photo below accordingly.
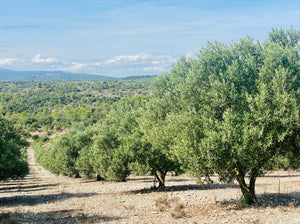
(56, 105)
(42, 76)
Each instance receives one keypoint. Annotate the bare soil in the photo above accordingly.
(42, 197)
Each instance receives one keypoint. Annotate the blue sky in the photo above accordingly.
(122, 38)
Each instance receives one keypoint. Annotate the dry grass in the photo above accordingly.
(178, 211)
(129, 207)
(162, 204)
(292, 204)
(171, 205)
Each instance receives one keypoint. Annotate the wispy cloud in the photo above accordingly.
(7, 61)
(38, 59)
(136, 64)
(128, 58)
(143, 59)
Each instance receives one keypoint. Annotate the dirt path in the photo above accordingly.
(37, 171)
(42, 197)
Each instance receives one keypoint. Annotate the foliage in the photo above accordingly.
(104, 149)
(60, 157)
(13, 160)
(147, 79)
(114, 147)
(240, 103)
(56, 105)
(155, 150)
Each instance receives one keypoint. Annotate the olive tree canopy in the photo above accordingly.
(235, 107)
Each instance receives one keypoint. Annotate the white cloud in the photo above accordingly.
(127, 58)
(138, 60)
(136, 64)
(122, 65)
(7, 61)
(74, 67)
(38, 59)
(156, 62)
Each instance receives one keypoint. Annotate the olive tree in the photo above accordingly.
(13, 162)
(245, 99)
(117, 142)
(61, 155)
(155, 150)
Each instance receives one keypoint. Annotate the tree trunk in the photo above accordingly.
(253, 176)
(247, 191)
(99, 178)
(160, 176)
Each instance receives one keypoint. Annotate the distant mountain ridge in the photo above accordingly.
(12, 75)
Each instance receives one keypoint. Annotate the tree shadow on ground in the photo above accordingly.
(152, 179)
(39, 199)
(265, 200)
(182, 188)
(26, 188)
(140, 179)
(20, 181)
(62, 216)
(280, 176)
(180, 180)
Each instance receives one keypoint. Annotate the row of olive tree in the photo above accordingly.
(231, 110)
(112, 148)
(12, 154)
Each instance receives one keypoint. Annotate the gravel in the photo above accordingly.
(42, 197)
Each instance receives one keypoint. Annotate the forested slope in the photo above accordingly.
(56, 105)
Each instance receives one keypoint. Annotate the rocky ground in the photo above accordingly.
(45, 198)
